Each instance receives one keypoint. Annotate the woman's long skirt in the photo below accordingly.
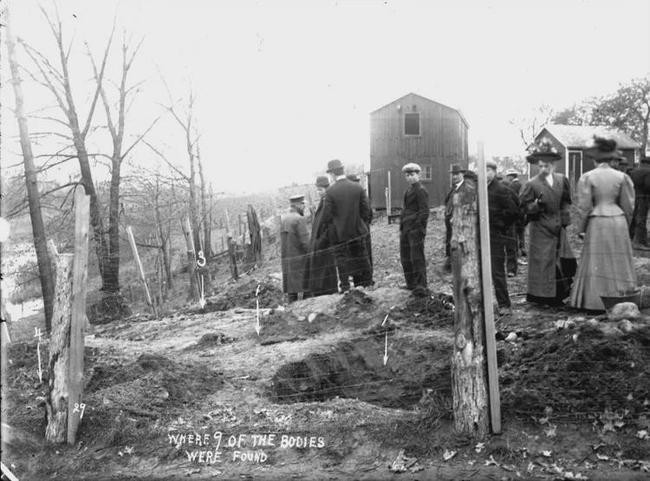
(606, 265)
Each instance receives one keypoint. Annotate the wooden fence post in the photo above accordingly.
(138, 263)
(191, 259)
(78, 318)
(233, 258)
(255, 232)
(63, 405)
(468, 376)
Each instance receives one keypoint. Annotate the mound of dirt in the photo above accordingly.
(270, 295)
(356, 369)
(151, 382)
(576, 372)
(353, 302)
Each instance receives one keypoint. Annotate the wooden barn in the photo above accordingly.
(414, 129)
(571, 141)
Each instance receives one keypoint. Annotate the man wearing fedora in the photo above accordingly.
(320, 269)
(294, 246)
(514, 239)
(412, 231)
(641, 178)
(545, 201)
(457, 178)
(347, 209)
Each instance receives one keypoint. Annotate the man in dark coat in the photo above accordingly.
(641, 179)
(346, 207)
(413, 229)
(356, 178)
(515, 235)
(457, 179)
(503, 212)
(320, 271)
(294, 243)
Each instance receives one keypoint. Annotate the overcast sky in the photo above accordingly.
(282, 87)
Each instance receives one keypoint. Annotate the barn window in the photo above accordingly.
(427, 173)
(412, 124)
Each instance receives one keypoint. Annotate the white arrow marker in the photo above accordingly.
(386, 349)
(202, 298)
(37, 334)
(258, 328)
(385, 319)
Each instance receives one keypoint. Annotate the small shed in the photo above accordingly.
(571, 141)
(413, 128)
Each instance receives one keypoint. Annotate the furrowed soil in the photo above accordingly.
(338, 387)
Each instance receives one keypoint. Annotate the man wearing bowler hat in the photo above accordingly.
(294, 244)
(346, 207)
(545, 200)
(413, 229)
(457, 178)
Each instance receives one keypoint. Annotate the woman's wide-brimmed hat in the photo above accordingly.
(603, 150)
(543, 150)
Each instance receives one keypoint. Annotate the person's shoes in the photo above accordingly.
(522, 262)
(640, 246)
(512, 274)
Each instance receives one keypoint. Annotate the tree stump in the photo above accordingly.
(56, 404)
(468, 362)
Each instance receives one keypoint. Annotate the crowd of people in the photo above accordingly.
(611, 207)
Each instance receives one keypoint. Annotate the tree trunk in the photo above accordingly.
(468, 362)
(112, 268)
(207, 251)
(56, 404)
(45, 272)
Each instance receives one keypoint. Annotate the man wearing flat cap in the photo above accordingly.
(413, 229)
(457, 178)
(346, 207)
(320, 271)
(294, 245)
(545, 200)
(641, 178)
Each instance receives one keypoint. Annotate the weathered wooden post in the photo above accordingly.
(138, 264)
(233, 258)
(255, 233)
(191, 258)
(473, 322)
(63, 405)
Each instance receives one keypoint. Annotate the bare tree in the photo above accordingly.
(38, 229)
(530, 125)
(117, 131)
(58, 82)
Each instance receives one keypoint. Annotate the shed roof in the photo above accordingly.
(426, 99)
(582, 136)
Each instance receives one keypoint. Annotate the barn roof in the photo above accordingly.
(582, 136)
(426, 99)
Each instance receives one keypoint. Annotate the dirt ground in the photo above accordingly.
(353, 386)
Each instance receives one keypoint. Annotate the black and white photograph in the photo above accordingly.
(325, 240)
